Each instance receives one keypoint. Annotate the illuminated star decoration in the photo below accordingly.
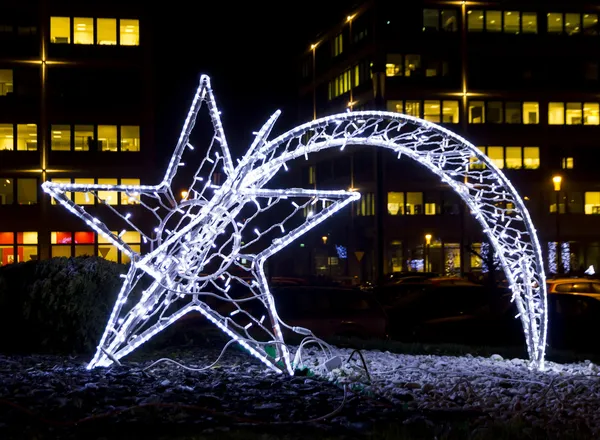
(208, 248)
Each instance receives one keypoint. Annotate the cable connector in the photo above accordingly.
(333, 363)
(302, 331)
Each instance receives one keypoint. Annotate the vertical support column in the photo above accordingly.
(313, 48)
(380, 195)
(43, 130)
(464, 241)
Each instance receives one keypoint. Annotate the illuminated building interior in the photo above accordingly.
(76, 105)
(518, 79)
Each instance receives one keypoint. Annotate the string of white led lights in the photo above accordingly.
(208, 249)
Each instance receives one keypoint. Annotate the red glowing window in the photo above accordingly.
(84, 238)
(7, 238)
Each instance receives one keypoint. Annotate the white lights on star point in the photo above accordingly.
(209, 246)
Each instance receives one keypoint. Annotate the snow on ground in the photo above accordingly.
(397, 389)
(503, 389)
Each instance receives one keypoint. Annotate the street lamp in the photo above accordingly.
(184, 195)
(557, 181)
(324, 238)
(313, 48)
(427, 243)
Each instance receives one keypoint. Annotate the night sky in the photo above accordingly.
(250, 50)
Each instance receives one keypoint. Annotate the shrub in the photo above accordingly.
(57, 305)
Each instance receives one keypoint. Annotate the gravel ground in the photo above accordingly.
(422, 396)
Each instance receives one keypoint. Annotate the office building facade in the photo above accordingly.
(76, 105)
(519, 80)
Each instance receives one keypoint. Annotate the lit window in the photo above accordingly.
(340, 85)
(107, 137)
(412, 108)
(394, 106)
(107, 31)
(590, 113)
(395, 203)
(529, 20)
(84, 137)
(496, 155)
(431, 20)
(338, 45)
(493, 21)
(130, 138)
(434, 67)
(512, 22)
(6, 81)
(475, 163)
(61, 137)
(476, 112)
(431, 111)
(555, 23)
(572, 23)
(60, 30)
(556, 113)
(495, 112)
(130, 198)
(592, 202)
(68, 195)
(412, 65)
(7, 191)
(107, 250)
(568, 163)
(27, 191)
(531, 112)
(366, 205)
(433, 204)
(449, 20)
(450, 113)
(393, 66)
(7, 139)
(84, 198)
(574, 113)
(512, 112)
(475, 20)
(531, 158)
(61, 244)
(83, 30)
(26, 137)
(414, 203)
(7, 249)
(129, 32)
(513, 158)
(108, 197)
(84, 243)
(312, 178)
(27, 246)
(133, 239)
(590, 24)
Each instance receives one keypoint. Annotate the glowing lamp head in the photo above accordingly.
(313, 46)
(428, 239)
(349, 18)
(557, 181)
(184, 195)
(324, 238)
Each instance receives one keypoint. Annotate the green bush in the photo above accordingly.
(58, 305)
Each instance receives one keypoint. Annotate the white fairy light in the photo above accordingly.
(217, 237)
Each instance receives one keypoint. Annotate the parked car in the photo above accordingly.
(573, 324)
(575, 286)
(411, 308)
(397, 276)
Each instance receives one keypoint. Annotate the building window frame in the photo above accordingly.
(17, 245)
